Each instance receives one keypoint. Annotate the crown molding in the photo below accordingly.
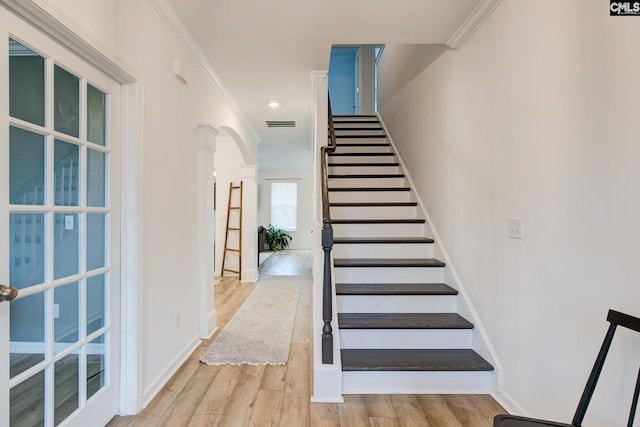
(169, 15)
(475, 19)
(47, 17)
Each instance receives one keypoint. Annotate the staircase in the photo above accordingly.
(398, 323)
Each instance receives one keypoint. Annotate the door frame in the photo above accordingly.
(54, 24)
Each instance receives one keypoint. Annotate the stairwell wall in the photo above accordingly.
(534, 118)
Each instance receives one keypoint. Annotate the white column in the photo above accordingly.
(206, 139)
(249, 223)
(327, 379)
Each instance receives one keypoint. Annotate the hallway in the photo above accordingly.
(202, 395)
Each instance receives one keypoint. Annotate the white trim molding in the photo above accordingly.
(168, 14)
(132, 254)
(249, 175)
(475, 19)
(327, 379)
(156, 385)
(46, 16)
(206, 137)
(206, 140)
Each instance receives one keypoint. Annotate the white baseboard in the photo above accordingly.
(509, 404)
(249, 275)
(208, 325)
(172, 368)
(325, 399)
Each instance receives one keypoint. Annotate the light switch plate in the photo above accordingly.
(69, 222)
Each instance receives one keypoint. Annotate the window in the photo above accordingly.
(284, 205)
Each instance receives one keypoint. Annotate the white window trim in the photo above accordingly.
(284, 181)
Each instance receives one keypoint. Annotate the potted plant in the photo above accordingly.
(277, 238)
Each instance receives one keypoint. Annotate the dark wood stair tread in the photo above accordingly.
(378, 221)
(394, 289)
(403, 321)
(337, 116)
(370, 189)
(387, 262)
(413, 360)
(373, 154)
(354, 122)
(333, 165)
(359, 128)
(367, 144)
(363, 175)
(361, 136)
(340, 118)
(382, 240)
(372, 204)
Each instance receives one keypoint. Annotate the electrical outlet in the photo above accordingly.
(177, 320)
(515, 228)
(56, 311)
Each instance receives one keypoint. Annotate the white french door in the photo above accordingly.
(59, 234)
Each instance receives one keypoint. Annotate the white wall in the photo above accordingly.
(304, 179)
(367, 79)
(535, 117)
(171, 111)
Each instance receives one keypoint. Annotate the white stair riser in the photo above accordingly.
(405, 338)
(369, 170)
(389, 275)
(382, 250)
(368, 196)
(373, 212)
(397, 303)
(378, 230)
(362, 159)
(412, 382)
(380, 148)
(365, 182)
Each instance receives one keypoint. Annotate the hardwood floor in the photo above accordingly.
(202, 395)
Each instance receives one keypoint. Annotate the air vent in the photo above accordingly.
(280, 123)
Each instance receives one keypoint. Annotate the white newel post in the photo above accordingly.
(249, 223)
(206, 139)
(327, 379)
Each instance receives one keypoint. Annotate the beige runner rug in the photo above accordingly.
(260, 331)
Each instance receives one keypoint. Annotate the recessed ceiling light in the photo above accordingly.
(274, 104)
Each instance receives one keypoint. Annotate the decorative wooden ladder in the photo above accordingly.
(237, 229)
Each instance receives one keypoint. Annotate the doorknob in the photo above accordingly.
(7, 293)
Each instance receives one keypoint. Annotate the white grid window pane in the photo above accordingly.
(284, 205)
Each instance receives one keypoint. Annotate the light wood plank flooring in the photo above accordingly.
(202, 395)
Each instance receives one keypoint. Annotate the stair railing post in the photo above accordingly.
(327, 245)
(327, 291)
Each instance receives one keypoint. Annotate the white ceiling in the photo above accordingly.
(265, 50)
